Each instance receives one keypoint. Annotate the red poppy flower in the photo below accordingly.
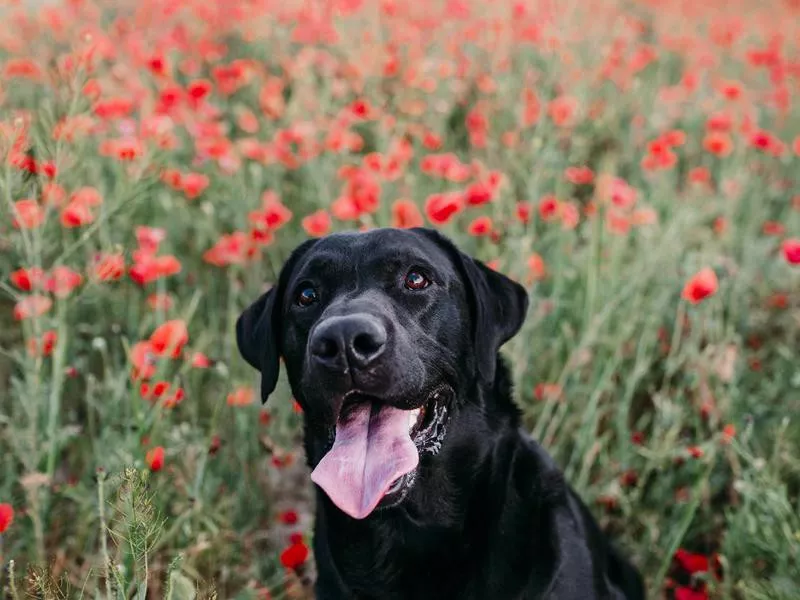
(294, 556)
(701, 286)
(108, 267)
(695, 451)
(317, 223)
(273, 213)
(440, 208)
(149, 238)
(480, 226)
(406, 214)
(241, 396)
(232, 249)
(547, 391)
(169, 338)
(617, 222)
(562, 110)
(478, 193)
(687, 593)
(32, 306)
(791, 250)
(155, 458)
(6, 517)
(579, 175)
(690, 562)
(62, 281)
(53, 194)
(113, 108)
(43, 346)
(27, 214)
(536, 267)
(76, 214)
(193, 184)
(570, 215)
(149, 268)
(27, 279)
(143, 359)
(288, 517)
(548, 207)
(718, 143)
(200, 361)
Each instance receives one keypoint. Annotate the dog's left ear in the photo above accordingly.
(498, 304)
(258, 328)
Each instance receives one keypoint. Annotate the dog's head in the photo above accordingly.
(381, 333)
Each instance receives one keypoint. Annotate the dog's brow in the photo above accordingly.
(320, 264)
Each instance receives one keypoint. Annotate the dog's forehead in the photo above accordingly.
(376, 247)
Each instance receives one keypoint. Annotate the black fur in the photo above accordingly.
(489, 515)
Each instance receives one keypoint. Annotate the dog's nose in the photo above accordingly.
(354, 340)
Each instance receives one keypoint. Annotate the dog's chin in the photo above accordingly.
(413, 430)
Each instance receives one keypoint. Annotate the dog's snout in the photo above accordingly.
(353, 340)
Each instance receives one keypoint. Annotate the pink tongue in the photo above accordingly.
(372, 449)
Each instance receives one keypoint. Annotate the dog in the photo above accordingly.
(426, 485)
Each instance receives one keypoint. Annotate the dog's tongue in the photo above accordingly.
(373, 447)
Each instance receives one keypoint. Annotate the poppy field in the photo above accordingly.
(635, 164)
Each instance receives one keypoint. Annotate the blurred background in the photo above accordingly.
(634, 163)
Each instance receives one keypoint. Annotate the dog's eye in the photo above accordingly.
(307, 296)
(416, 280)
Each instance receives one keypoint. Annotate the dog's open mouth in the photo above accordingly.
(376, 450)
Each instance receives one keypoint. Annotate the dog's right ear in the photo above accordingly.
(258, 328)
(258, 340)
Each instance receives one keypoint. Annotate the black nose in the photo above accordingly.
(352, 340)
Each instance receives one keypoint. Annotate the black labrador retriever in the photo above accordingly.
(427, 487)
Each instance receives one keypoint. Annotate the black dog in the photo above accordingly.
(427, 488)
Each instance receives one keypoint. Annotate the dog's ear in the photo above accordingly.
(258, 328)
(497, 303)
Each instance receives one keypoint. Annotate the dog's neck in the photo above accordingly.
(446, 501)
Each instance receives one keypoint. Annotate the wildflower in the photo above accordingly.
(547, 391)
(241, 396)
(76, 214)
(43, 346)
(690, 562)
(718, 144)
(6, 517)
(687, 593)
(62, 281)
(406, 214)
(317, 223)
(32, 306)
(480, 226)
(200, 361)
(28, 279)
(695, 451)
(440, 208)
(579, 175)
(295, 555)
(108, 267)
(562, 110)
(169, 338)
(27, 214)
(548, 207)
(193, 184)
(702, 285)
(155, 458)
(143, 359)
(791, 250)
(232, 249)
(536, 267)
(288, 517)
(728, 433)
